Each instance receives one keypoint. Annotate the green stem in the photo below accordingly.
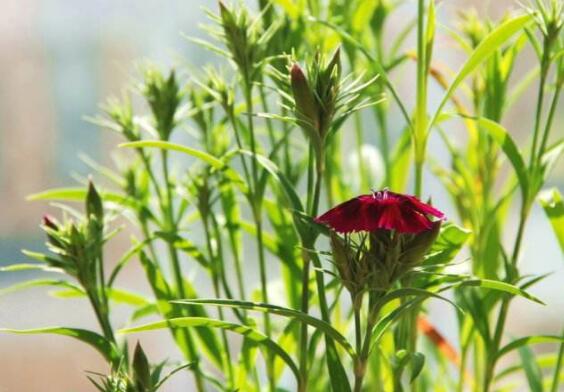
(102, 317)
(357, 326)
(257, 212)
(420, 139)
(557, 367)
(302, 387)
(384, 143)
(316, 193)
(362, 357)
(491, 352)
(550, 119)
(215, 271)
(544, 66)
(359, 140)
(170, 226)
(269, 127)
(418, 178)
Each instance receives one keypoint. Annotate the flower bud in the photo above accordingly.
(416, 246)
(353, 268)
(94, 206)
(303, 96)
(163, 96)
(141, 370)
(50, 223)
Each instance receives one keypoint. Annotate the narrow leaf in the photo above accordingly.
(93, 339)
(247, 332)
(551, 202)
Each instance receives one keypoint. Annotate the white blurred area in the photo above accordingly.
(58, 60)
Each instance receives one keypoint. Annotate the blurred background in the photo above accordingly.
(58, 60)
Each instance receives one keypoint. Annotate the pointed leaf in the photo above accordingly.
(551, 202)
(93, 339)
(204, 322)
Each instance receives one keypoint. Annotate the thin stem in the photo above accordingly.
(357, 326)
(384, 143)
(362, 357)
(101, 317)
(420, 136)
(544, 66)
(170, 225)
(418, 178)
(215, 271)
(504, 308)
(305, 275)
(557, 367)
(359, 141)
(257, 212)
(302, 387)
(269, 127)
(548, 125)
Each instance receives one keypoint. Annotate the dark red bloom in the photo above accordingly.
(381, 210)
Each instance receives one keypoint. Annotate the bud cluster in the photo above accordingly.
(323, 100)
(315, 96)
(77, 246)
(246, 41)
(121, 113)
(164, 97)
(378, 259)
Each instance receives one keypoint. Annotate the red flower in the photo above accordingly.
(381, 210)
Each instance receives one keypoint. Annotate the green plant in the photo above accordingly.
(267, 150)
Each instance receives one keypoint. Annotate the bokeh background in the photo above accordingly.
(58, 60)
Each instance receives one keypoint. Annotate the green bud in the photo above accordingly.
(94, 206)
(122, 114)
(141, 370)
(354, 269)
(342, 260)
(415, 248)
(163, 96)
(307, 109)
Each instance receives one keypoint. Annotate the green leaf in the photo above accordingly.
(30, 266)
(401, 158)
(531, 368)
(412, 291)
(449, 242)
(126, 258)
(503, 138)
(551, 202)
(545, 362)
(430, 35)
(418, 361)
(172, 373)
(38, 283)
(550, 157)
(279, 176)
(378, 67)
(116, 295)
(489, 45)
(100, 343)
(385, 322)
(164, 294)
(500, 286)
(79, 194)
(527, 340)
(205, 322)
(280, 311)
(204, 156)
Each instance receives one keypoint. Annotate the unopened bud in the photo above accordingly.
(94, 206)
(306, 107)
(141, 369)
